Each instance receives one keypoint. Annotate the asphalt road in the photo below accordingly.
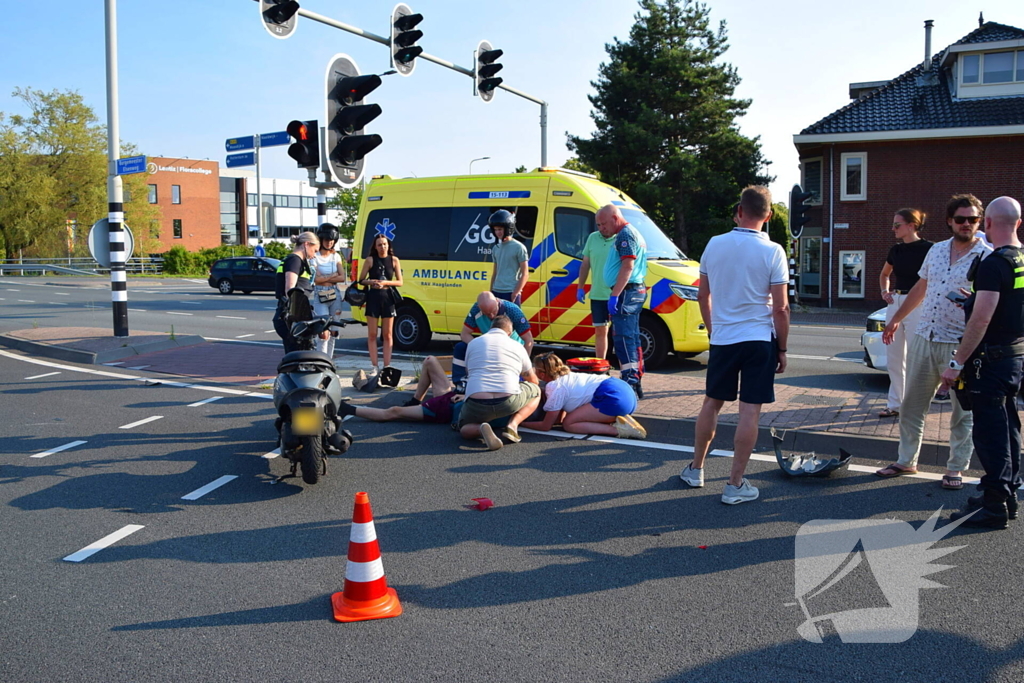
(824, 356)
(596, 563)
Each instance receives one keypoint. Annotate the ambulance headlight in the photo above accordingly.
(684, 291)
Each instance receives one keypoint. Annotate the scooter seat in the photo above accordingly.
(296, 357)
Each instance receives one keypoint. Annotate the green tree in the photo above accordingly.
(521, 169)
(778, 226)
(574, 164)
(27, 194)
(347, 201)
(666, 123)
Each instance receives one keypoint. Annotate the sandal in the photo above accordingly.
(953, 482)
(894, 471)
(889, 412)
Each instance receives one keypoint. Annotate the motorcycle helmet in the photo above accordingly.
(328, 233)
(504, 219)
(355, 296)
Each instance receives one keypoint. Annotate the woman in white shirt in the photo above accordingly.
(328, 270)
(585, 403)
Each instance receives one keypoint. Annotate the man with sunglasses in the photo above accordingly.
(939, 329)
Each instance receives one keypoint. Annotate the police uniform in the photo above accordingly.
(992, 377)
(293, 263)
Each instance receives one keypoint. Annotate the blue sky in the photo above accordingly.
(194, 72)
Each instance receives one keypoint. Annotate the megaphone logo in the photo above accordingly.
(829, 551)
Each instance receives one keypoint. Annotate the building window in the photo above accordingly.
(851, 269)
(853, 181)
(281, 200)
(998, 67)
(811, 179)
(175, 194)
(309, 202)
(294, 202)
(152, 194)
(991, 73)
(177, 228)
(971, 68)
(250, 199)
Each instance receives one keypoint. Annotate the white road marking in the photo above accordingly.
(58, 303)
(205, 401)
(201, 282)
(48, 374)
(62, 294)
(176, 313)
(270, 308)
(832, 358)
(120, 362)
(142, 422)
(58, 449)
(26, 301)
(243, 336)
(139, 367)
(215, 484)
(270, 332)
(253, 342)
(230, 317)
(13, 290)
(104, 542)
(137, 310)
(191, 303)
(272, 454)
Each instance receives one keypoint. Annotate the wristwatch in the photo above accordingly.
(953, 365)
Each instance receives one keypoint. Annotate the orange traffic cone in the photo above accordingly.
(366, 595)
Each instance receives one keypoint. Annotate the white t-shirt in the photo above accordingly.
(494, 363)
(741, 266)
(326, 266)
(571, 391)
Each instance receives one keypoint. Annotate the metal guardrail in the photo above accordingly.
(78, 266)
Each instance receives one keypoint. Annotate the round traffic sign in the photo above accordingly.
(99, 242)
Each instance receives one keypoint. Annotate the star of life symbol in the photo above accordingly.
(896, 555)
(387, 228)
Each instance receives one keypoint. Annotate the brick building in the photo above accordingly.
(952, 124)
(188, 193)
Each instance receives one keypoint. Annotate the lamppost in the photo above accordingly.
(473, 162)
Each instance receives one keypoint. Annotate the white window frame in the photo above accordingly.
(845, 196)
(863, 274)
(821, 179)
(983, 89)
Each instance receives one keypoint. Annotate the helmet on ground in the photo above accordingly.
(327, 233)
(504, 219)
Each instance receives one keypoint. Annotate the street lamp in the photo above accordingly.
(473, 162)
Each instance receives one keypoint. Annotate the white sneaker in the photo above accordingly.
(744, 493)
(694, 478)
(373, 372)
(493, 442)
(628, 428)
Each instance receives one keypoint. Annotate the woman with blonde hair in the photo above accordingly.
(293, 272)
(585, 403)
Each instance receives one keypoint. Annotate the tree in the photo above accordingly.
(574, 164)
(666, 123)
(521, 169)
(778, 226)
(347, 201)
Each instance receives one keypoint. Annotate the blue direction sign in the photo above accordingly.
(273, 139)
(129, 165)
(243, 159)
(235, 144)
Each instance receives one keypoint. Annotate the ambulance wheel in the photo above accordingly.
(654, 341)
(411, 329)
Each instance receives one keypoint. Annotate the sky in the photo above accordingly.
(193, 73)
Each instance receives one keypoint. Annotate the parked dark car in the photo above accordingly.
(246, 274)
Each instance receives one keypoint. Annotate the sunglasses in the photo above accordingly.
(960, 220)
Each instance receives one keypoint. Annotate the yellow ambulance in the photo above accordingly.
(439, 230)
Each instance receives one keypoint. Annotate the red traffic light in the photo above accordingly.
(298, 130)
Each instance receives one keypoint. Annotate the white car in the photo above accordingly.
(871, 340)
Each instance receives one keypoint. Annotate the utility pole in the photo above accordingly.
(115, 204)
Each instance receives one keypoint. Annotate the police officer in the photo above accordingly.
(293, 272)
(989, 358)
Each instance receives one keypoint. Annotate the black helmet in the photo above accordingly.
(504, 219)
(328, 233)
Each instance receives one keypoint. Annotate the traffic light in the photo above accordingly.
(484, 80)
(404, 35)
(279, 17)
(347, 116)
(798, 217)
(306, 148)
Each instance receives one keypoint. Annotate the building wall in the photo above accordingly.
(199, 210)
(915, 174)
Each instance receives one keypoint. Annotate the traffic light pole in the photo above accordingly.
(259, 194)
(445, 63)
(115, 199)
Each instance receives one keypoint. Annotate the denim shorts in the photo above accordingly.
(599, 312)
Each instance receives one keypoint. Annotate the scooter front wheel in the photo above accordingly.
(312, 462)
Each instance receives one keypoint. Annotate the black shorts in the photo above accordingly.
(380, 304)
(748, 366)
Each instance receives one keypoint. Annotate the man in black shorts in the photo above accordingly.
(437, 409)
(745, 275)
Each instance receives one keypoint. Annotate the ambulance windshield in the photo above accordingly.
(659, 246)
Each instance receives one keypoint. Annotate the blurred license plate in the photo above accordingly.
(306, 421)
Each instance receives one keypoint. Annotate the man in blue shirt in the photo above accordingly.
(624, 272)
(259, 250)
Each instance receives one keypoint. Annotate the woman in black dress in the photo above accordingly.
(382, 273)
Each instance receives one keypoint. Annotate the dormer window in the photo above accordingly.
(991, 74)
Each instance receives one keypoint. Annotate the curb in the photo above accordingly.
(96, 357)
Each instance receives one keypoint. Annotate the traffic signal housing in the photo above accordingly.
(404, 35)
(306, 148)
(347, 117)
(279, 17)
(485, 67)
(798, 217)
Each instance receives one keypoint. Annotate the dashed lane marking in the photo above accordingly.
(104, 542)
(215, 484)
(243, 336)
(138, 310)
(26, 301)
(58, 449)
(45, 374)
(62, 294)
(142, 422)
(176, 313)
(138, 367)
(272, 454)
(230, 317)
(205, 401)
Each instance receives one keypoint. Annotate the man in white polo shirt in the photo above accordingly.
(745, 306)
(500, 383)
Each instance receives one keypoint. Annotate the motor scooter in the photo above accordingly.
(307, 394)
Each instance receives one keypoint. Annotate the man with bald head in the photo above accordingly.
(989, 359)
(624, 272)
(478, 321)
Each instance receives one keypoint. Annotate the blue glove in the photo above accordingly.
(581, 295)
(613, 305)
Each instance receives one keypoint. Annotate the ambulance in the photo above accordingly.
(438, 228)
